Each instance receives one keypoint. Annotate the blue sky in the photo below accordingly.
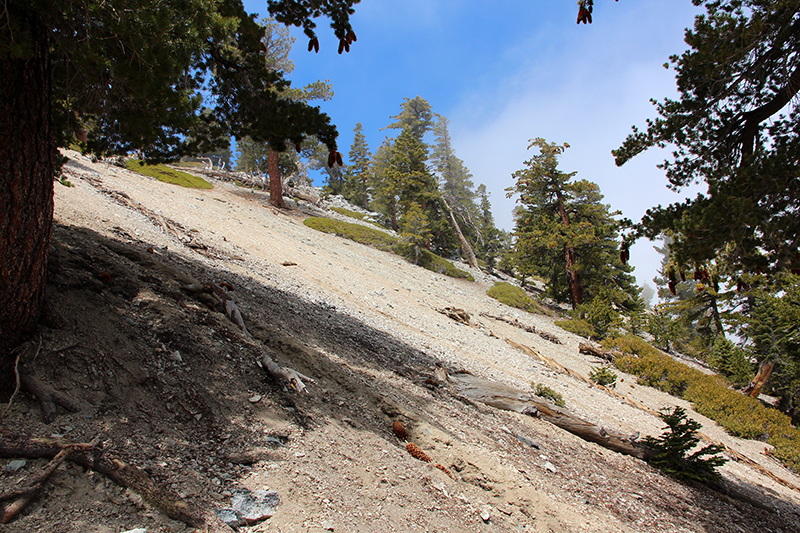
(504, 72)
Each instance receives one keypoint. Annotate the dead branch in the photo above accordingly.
(280, 372)
(589, 349)
(35, 483)
(266, 362)
(95, 458)
(459, 315)
(546, 361)
(516, 323)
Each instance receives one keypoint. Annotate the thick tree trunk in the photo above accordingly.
(27, 159)
(275, 184)
(573, 278)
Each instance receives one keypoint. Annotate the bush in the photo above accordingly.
(740, 415)
(603, 376)
(674, 444)
(515, 297)
(348, 213)
(168, 175)
(601, 315)
(546, 392)
(578, 327)
(386, 242)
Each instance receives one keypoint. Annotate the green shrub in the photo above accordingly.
(603, 376)
(577, 326)
(740, 415)
(676, 442)
(65, 182)
(386, 242)
(601, 315)
(168, 175)
(348, 213)
(546, 392)
(515, 297)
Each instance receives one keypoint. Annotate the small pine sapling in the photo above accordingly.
(678, 439)
(603, 376)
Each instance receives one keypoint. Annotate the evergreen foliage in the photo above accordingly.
(564, 233)
(603, 376)
(736, 128)
(357, 177)
(675, 444)
(514, 296)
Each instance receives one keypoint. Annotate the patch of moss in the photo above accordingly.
(386, 242)
(515, 297)
(168, 175)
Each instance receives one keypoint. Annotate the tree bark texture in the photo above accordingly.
(275, 183)
(27, 162)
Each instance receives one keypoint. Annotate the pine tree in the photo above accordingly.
(415, 115)
(736, 128)
(564, 232)
(139, 80)
(357, 173)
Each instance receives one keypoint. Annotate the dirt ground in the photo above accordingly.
(173, 387)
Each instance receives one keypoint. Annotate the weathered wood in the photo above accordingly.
(549, 363)
(515, 322)
(753, 389)
(510, 399)
(588, 349)
(125, 475)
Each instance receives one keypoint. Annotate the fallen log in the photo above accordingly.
(95, 458)
(588, 349)
(510, 399)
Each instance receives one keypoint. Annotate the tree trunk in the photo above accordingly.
(753, 389)
(275, 184)
(393, 207)
(466, 249)
(27, 162)
(573, 278)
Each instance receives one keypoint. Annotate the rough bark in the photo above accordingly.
(275, 183)
(27, 162)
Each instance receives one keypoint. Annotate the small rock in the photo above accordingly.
(327, 525)
(255, 398)
(176, 356)
(228, 516)
(137, 530)
(550, 467)
(15, 465)
(255, 506)
(485, 514)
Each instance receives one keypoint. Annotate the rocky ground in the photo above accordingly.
(173, 387)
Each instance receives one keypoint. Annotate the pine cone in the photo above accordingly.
(416, 453)
(399, 431)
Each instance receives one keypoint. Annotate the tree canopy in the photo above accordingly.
(736, 128)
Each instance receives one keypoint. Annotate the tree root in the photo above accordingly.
(95, 458)
(48, 399)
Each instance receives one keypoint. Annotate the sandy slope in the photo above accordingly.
(365, 326)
